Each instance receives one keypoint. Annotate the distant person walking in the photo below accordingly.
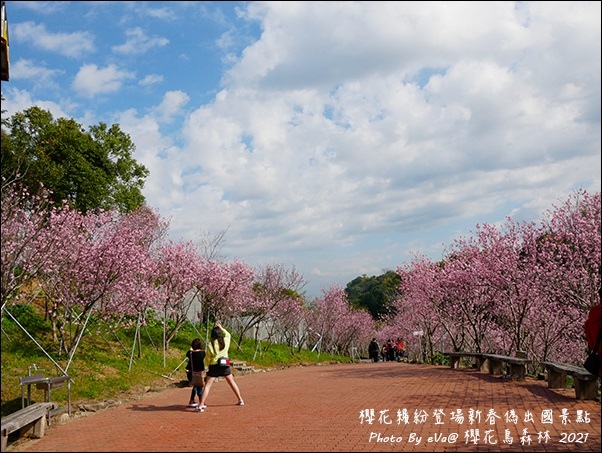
(218, 349)
(373, 350)
(384, 352)
(390, 350)
(196, 363)
(400, 348)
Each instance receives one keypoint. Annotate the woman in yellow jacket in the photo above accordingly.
(218, 349)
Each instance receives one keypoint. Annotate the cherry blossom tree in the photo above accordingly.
(493, 278)
(289, 322)
(569, 250)
(572, 239)
(514, 286)
(337, 325)
(414, 308)
(103, 267)
(519, 285)
(226, 287)
(274, 286)
(23, 254)
(178, 266)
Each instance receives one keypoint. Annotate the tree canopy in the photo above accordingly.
(89, 170)
(375, 293)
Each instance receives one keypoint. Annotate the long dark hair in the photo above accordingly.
(217, 334)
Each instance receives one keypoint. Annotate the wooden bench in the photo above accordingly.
(586, 384)
(518, 365)
(47, 384)
(492, 363)
(32, 420)
(455, 356)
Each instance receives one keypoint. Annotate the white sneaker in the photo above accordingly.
(240, 403)
(193, 404)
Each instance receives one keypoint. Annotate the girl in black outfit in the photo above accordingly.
(196, 360)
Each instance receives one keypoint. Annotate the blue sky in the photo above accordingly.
(336, 137)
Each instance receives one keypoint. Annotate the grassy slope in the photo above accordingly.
(103, 367)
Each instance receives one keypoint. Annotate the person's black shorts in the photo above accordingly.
(219, 371)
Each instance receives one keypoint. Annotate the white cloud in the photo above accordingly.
(91, 80)
(43, 7)
(21, 100)
(162, 13)
(151, 79)
(138, 43)
(323, 139)
(74, 44)
(172, 104)
(348, 134)
(43, 77)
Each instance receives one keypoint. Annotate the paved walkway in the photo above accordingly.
(318, 408)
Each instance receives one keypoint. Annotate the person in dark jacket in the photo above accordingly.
(196, 362)
(373, 350)
(390, 350)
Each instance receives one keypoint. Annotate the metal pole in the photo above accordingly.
(441, 346)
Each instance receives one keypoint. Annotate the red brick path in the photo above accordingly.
(317, 408)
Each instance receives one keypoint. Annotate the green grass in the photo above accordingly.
(103, 367)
